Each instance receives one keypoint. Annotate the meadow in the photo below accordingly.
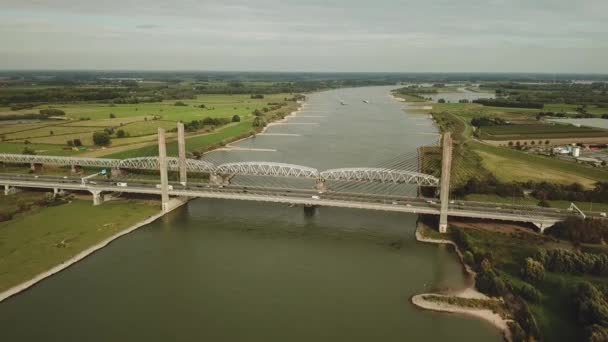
(139, 122)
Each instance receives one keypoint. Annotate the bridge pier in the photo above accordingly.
(118, 172)
(97, 199)
(76, 168)
(444, 194)
(162, 164)
(321, 185)
(181, 147)
(216, 180)
(37, 167)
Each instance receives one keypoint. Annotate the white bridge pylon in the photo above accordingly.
(257, 168)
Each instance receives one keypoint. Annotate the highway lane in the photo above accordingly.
(301, 196)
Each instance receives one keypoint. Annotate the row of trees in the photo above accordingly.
(195, 125)
(591, 307)
(499, 102)
(565, 261)
(542, 191)
(487, 121)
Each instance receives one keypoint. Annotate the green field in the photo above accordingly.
(200, 142)
(473, 158)
(33, 243)
(539, 131)
(139, 121)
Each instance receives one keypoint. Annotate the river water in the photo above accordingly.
(218, 270)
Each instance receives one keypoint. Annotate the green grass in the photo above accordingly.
(554, 313)
(512, 165)
(33, 243)
(196, 143)
(539, 131)
(216, 106)
(528, 200)
(47, 149)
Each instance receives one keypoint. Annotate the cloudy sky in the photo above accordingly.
(301, 35)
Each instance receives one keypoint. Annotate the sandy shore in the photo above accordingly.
(468, 292)
(175, 203)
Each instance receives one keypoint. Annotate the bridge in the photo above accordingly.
(219, 184)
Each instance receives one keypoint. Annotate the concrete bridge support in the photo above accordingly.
(321, 185)
(8, 190)
(97, 199)
(37, 167)
(164, 177)
(118, 172)
(444, 194)
(181, 146)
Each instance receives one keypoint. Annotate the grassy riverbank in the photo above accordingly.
(35, 241)
(498, 252)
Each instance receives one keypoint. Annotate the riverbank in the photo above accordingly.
(425, 300)
(36, 242)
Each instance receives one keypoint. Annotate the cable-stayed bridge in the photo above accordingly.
(338, 187)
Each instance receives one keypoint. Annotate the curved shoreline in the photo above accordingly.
(85, 253)
(468, 292)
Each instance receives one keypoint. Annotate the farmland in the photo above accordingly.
(138, 123)
(539, 131)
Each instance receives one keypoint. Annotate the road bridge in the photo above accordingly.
(219, 184)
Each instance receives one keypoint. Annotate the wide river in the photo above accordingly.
(241, 271)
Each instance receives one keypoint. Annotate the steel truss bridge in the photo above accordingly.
(357, 174)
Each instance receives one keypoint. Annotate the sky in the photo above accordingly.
(552, 36)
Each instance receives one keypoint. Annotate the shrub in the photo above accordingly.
(28, 150)
(121, 133)
(101, 138)
(533, 271)
(236, 118)
(112, 115)
(529, 293)
(180, 103)
(52, 112)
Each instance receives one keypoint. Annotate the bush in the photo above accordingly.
(121, 133)
(180, 103)
(259, 122)
(580, 231)
(77, 142)
(236, 118)
(112, 115)
(533, 271)
(28, 150)
(468, 258)
(563, 261)
(52, 112)
(529, 293)
(101, 138)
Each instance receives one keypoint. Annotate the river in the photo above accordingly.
(218, 270)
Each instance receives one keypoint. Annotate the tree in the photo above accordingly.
(112, 115)
(533, 271)
(180, 103)
(52, 112)
(101, 138)
(441, 101)
(77, 142)
(51, 132)
(28, 150)
(257, 112)
(121, 133)
(236, 118)
(259, 122)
